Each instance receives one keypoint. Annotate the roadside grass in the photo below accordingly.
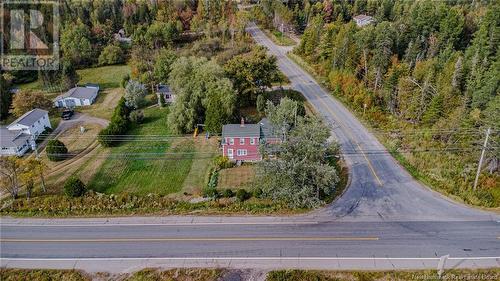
(105, 102)
(106, 76)
(279, 38)
(402, 275)
(7, 274)
(125, 204)
(149, 274)
(237, 177)
(143, 166)
(213, 274)
(417, 165)
(185, 274)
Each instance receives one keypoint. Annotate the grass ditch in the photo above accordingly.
(464, 196)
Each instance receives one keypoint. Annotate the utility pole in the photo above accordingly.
(482, 157)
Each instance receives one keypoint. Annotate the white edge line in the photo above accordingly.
(240, 258)
(155, 224)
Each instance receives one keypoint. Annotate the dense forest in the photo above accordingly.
(424, 74)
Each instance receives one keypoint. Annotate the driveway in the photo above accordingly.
(77, 118)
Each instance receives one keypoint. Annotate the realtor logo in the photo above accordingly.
(30, 35)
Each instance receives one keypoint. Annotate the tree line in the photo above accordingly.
(422, 66)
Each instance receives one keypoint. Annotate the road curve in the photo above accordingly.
(385, 220)
(380, 188)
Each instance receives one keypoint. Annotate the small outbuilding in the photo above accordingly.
(164, 91)
(78, 96)
(363, 20)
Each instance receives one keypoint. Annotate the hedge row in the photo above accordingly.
(120, 123)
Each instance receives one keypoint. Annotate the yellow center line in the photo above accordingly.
(167, 239)
(370, 166)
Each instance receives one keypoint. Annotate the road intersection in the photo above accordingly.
(385, 220)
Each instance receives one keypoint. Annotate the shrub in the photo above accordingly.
(210, 193)
(56, 150)
(135, 94)
(137, 116)
(124, 81)
(222, 162)
(214, 178)
(118, 126)
(257, 193)
(74, 187)
(111, 54)
(242, 195)
(227, 193)
(161, 100)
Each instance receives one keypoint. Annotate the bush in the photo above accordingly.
(118, 126)
(227, 193)
(210, 193)
(124, 81)
(137, 116)
(56, 150)
(222, 162)
(111, 54)
(257, 193)
(242, 195)
(214, 178)
(74, 187)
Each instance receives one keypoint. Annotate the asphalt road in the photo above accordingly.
(385, 220)
(380, 189)
(128, 245)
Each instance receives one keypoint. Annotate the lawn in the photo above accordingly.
(149, 163)
(106, 76)
(237, 177)
(102, 107)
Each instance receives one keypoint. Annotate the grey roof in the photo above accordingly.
(237, 130)
(92, 85)
(163, 89)
(267, 129)
(12, 138)
(362, 17)
(80, 93)
(29, 118)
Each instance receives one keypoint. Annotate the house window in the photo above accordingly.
(241, 152)
(242, 140)
(231, 141)
(252, 141)
(230, 153)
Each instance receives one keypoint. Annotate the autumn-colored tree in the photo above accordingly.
(10, 170)
(25, 101)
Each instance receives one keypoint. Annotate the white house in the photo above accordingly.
(77, 96)
(168, 95)
(18, 137)
(14, 142)
(362, 20)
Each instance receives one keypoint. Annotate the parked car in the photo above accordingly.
(66, 115)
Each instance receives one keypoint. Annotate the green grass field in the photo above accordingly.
(153, 170)
(106, 76)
